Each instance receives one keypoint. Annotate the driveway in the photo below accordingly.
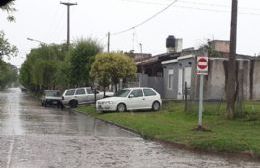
(32, 136)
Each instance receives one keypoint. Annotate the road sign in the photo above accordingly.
(202, 65)
(202, 69)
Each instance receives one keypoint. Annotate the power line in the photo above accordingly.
(199, 8)
(147, 20)
(215, 10)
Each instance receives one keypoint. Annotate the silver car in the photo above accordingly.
(73, 97)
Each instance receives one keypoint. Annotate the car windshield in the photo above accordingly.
(122, 93)
(52, 93)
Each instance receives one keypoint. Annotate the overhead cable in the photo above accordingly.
(147, 20)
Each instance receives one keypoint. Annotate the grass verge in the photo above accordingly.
(172, 124)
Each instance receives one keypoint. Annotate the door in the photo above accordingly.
(187, 76)
(136, 99)
(187, 80)
(81, 95)
(149, 97)
(91, 95)
(180, 84)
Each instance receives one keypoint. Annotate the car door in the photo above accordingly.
(149, 97)
(80, 95)
(136, 99)
(90, 95)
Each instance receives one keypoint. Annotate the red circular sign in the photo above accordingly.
(202, 63)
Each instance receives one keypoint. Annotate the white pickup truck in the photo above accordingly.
(73, 97)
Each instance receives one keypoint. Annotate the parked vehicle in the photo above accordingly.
(51, 97)
(73, 97)
(131, 99)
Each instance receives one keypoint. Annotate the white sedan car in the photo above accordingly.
(131, 99)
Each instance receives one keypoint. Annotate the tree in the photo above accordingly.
(8, 74)
(111, 67)
(7, 5)
(41, 68)
(6, 49)
(5, 2)
(82, 56)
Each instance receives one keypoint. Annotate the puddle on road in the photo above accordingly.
(21, 115)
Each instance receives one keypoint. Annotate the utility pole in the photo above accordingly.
(231, 81)
(108, 42)
(68, 4)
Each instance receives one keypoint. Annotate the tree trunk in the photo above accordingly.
(231, 79)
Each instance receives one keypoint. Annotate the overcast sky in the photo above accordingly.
(193, 20)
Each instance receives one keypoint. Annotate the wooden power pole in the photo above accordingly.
(68, 4)
(231, 79)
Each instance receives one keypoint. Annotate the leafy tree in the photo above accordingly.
(25, 75)
(82, 56)
(40, 69)
(111, 67)
(7, 5)
(8, 74)
(6, 49)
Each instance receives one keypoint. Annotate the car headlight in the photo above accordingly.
(108, 102)
(105, 102)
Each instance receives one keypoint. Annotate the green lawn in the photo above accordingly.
(172, 124)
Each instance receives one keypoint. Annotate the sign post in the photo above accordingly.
(202, 70)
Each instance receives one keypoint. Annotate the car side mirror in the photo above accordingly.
(131, 96)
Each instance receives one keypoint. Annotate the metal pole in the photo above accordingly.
(201, 100)
(108, 42)
(68, 26)
(68, 4)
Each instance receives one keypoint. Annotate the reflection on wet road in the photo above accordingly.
(32, 136)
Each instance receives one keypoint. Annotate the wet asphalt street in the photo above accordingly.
(32, 136)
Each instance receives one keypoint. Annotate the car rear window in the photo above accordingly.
(70, 92)
(149, 92)
(52, 93)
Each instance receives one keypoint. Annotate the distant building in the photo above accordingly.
(169, 72)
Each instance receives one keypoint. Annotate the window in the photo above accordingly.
(80, 91)
(149, 92)
(137, 93)
(122, 93)
(187, 76)
(90, 91)
(52, 93)
(70, 92)
(170, 79)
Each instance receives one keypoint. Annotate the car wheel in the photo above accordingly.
(121, 107)
(73, 104)
(156, 106)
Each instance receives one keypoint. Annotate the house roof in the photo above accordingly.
(159, 58)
